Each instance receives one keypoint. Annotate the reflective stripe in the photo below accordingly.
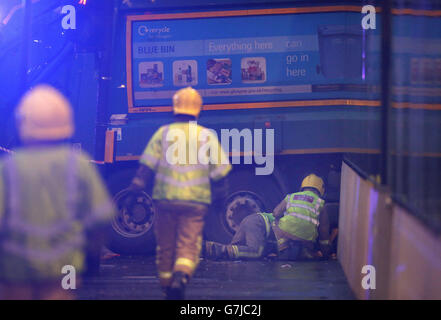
(164, 142)
(318, 204)
(256, 254)
(289, 202)
(165, 274)
(181, 168)
(301, 216)
(17, 223)
(219, 172)
(189, 180)
(267, 224)
(235, 251)
(185, 262)
(45, 232)
(184, 168)
(157, 255)
(324, 242)
(304, 206)
(40, 255)
(321, 203)
(182, 184)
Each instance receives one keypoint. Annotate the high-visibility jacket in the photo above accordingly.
(268, 218)
(301, 217)
(49, 198)
(185, 156)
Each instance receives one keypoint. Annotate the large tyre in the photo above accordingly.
(131, 230)
(132, 227)
(248, 194)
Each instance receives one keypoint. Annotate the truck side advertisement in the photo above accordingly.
(239, 59)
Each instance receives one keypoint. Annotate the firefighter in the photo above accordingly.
(299, 220)
(253, 240)
(53, 203)
(181, 192)
(294, 222)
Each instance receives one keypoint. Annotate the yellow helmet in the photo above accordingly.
(313, 181)
(187, 101)
(44, 114)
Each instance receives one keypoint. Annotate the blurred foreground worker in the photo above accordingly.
(254, 240)
(300, 220)
(182, 189)
(53, 204)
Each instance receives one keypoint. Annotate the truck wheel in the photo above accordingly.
(239, 205)
(132, 227)
(248, 194)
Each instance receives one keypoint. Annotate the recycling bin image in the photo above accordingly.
(342, 51)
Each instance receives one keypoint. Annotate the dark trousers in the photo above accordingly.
(251, 240)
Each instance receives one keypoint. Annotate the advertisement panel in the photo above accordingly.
(241, 59)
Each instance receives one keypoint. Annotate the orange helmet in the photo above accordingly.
(187, 101)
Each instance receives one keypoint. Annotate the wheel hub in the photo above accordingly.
(134, 219)
(238, 207)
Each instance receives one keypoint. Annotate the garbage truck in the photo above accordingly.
(290, 87)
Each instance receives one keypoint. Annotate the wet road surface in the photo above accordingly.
(134, 278)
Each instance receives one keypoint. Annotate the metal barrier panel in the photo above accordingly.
(353, 244)
(415, 261)
(374, 231)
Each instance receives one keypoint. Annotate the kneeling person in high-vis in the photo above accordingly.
(186, 162)
(253, 240)
(300, 220)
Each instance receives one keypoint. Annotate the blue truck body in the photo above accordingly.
(338, 114)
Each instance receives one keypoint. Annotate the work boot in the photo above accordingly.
(176, 291)
(214, 250)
